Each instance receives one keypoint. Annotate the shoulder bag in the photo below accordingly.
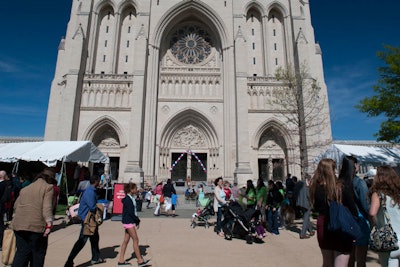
(9, 246)
(341, 220)
(383, 239)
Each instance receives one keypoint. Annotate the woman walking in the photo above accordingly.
(130, 222)
(168, 190)
(335, 248)
(386, 189)
(348, 175)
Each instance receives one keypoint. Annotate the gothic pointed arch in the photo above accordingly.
(126, 5)
(255, 5)
(275, 131)
(185, 10)
(274, 147)
(188, 128)
(256, 39)
(278, 7)
(102, 4)
(277, 42)
(105, 128)
(103, 45)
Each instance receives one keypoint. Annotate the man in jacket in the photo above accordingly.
(87, 204)
(303, 202)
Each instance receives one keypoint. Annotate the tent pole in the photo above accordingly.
(62, 174)
(15, 167)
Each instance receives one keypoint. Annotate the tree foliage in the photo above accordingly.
(386, 101)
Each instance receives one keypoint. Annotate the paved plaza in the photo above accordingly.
(170, 242)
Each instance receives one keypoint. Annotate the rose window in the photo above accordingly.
(190, 44)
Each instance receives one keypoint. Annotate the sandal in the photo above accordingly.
(125, 263)
(143, 263)
(99, 261)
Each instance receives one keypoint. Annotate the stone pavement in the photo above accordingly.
(171, 242)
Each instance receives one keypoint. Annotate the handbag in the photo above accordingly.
(9, 246)
(162, 199)
(341, 220)
(383, 239)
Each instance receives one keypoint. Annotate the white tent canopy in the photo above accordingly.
(367, 155)
(49, 152)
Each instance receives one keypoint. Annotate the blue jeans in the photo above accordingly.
(31, 247)
(273, 221)
(80, 243)
(219, 220)
(307, 226)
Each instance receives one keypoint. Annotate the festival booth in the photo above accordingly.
(50, 153)
(369, 157)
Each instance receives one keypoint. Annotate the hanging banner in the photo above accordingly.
(119, 194)
(193, 154)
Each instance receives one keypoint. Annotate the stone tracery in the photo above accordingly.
(190, 44)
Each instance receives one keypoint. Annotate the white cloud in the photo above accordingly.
(8, 67)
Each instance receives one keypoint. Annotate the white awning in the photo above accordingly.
(49, 152)
(365, 154)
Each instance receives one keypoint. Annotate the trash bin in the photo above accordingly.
(105, 204)
(139, 204)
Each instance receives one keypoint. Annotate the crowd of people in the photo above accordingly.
(338, 249)
(278, 203)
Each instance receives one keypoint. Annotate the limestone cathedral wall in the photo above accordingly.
(135, 76)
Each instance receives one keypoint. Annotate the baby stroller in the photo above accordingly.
(240, 223)
(203, 214)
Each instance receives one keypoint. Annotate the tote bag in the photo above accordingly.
(9, 247)
(341, 220)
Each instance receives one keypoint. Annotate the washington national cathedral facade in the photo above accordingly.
(187, 88)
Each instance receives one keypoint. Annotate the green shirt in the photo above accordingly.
(262, 194)
(251, 197)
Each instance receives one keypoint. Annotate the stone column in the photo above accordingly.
(243, 170)
(189, 164)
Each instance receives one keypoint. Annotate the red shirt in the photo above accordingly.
(227, 193)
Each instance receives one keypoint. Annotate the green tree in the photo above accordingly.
(386, 101)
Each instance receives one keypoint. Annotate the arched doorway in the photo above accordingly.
(106, 134)
(188, 147)
(273, 151)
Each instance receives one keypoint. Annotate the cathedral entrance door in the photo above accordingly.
(196, 169)
(198, 166)
(180, 168)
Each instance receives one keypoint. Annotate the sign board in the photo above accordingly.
(119, 194)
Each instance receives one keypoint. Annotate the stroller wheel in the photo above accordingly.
(193, 225)
(207, 226)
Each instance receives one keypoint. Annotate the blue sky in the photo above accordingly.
(349, 33)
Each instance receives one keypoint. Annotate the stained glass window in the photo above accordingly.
(190, 44)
